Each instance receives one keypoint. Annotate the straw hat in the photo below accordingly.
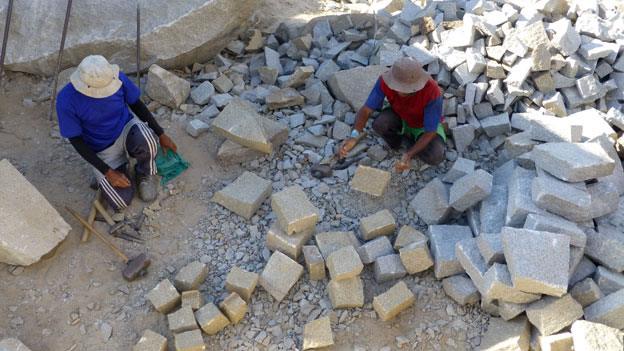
(406, 76)
(96, 78)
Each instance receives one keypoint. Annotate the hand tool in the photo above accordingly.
(325, 168)
(91, 217)
(124, 230)
(135, 267)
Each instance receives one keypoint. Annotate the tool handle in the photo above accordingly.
(99, 235)
(91, 218)
(98, 206)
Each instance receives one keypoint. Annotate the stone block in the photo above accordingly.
(295, 213)
(496, 125)
(389, 268)
(594, 125)
(389, 304)
(223, 84)
(555, 224)
(191, 276)
(573, 162)
(234, 307)
(585, 268)
(353, 86)
(551, 314)
(510, 310)
(416, 257)
(608, 280)
(370, 180)
(586, 292)
(190, 341)
(245, 195)
(460, 168)
(506, 335)
(211, 320)
(241, 282)
(565, 38)
(497, 285)
(344, 263)
(279, 275)
(443, 239)
(471, 260)
(589, 336)
(164, 297)
(589, 87)
(291, 245)
(608, 310)
(166, 88)
(202, 94)
(431, 203)
(284, 98)
(318, 334)
(538, 261)
(556, 342)
(149, 341)
(231, 152)
(329, 242)
(461, 289)
(519, 144)
(31, 227)
(348, 293)
(565, 199)
(554, 102)
(493, 209)
(408, 235)
(182, 320)
(491, 248)
(604, 197)
(196, 127)
(606, 247)
(240, 123)
(314, 262)
(553, 129)
(192, 299)
(470, 190)
(378, 224)
(463, 136)
(373, 249)
(519, 202)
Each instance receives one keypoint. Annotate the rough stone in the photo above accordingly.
(279, 275)
(12, 344)
(552, 129)
(461, 167)
(556, 342)
(509, 310)
(348, 293)
(389, 268)
(166, 88)
(370, 180)
(283, 98)
(565, 38)
(540, 264)
(461, 289)
(554, 224)
(573, 162)
(606, 247)
(329, 242)
(191, 276)
(389, 304)
(268, 75)
(245, 195)
(431, 203)
(373, 249)
(443, 239)
(378, 224)
(408, 235)
(344, 263)
(211, 320)
(416, 257)
(589, 87)
(608, 280)
(551, 314)
(196, 127)
(604, 197)
(491, 248)
(164, 297)
(586, 292)
(463, 136)
(240, 122)
(190, 341)
(589, 336)
(317, 334)
(496, 125)
(231, 152)
(519, 202)
(314, 262)
(234, 307)
(506, 335)
(585, 268)
(295, 213)
(202, 94)
(149, 341)
(182, 320)
(192, 299)
(561, 198)
(608, 310)
(493, 209)
(470, 190)
(471, 261)
(555, 104)
(353, 86)
(327, 70)
(31, 227)
(497, 285)
(241, 282)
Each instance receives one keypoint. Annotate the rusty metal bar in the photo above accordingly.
(60, 58)
(5, 39)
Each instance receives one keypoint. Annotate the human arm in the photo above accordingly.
(117, 179)
(432, 114)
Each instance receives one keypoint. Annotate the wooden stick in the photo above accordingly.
(99, 235)
(103, 212)
(91, 217)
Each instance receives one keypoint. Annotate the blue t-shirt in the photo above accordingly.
(98, 121)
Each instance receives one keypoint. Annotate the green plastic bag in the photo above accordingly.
(170, 165)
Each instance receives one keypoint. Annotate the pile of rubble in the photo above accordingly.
(536, 90)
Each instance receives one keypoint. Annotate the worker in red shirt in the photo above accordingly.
(415, 112)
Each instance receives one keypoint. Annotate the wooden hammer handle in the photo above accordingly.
(91, 217)
(99, 235)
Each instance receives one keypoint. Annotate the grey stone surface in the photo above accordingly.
(586, 292)
(196, 127)
(493, 209)
(295, 213)
(431, 203)
(329, 242)
(585, 268)
(573, 162)
(519, 202)
(314, 262)
(378, 224)
(291, 245)
(551, 314)
(571, 201)
(245, 195)
(31, 227)
(389, 268)
(565, 38)
(538, 261)
(443, 239)
(279, 275)
(606, 247)
(609, 310)
(344, 263)
(471, 260)
(353, 86)
(608, 280)
(460, 168)
(369, 180)
(166, 88)
(416, 257)
(182, 320)
(496, 125)
(240, 123)
(231, 152)
(164, 297)
(191, 276)
(555, 224)
(519, 144)
(604, 197)
(552, 129)
(470, 190)
(201, 95)
(380, 246)
(491, 248)
(461, 289)
(506, 335)
(12, 344)
(408, 235)
(463, 136)
(497, 285)
(510, 310)
(283, 98)
(589, 336)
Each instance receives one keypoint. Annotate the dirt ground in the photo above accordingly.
(77, 299)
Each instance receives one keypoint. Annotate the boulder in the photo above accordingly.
(166, 88)
(353, 86)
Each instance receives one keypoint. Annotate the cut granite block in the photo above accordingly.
(318, 334)
(551, 314)
(609, 310)
(389, 304)
(389, 268)
(329, 242)
(555, 224)
(210, 319)
(460, 168)
(568, 200)
(608, 280)
(497, 285)
(245, 195)
(191, 276)
(344, 263)
(461, 289)
(189, 341)
(295, 213)
(584, 269)
(348, 293)
(606, 246)
(240, 123)
(278, 240)
(164, 297)
(279, 275)
(377, 224)
(149, 341)
(314, 262)
(431, 203)
(416, 257)
(519, 202)
(241, 282)
(443, 239)
(470, 190)
(373, 249)
(493, 208)
(573, 162)
(471, 260)
(182, 320)
(491, 248)
(556, 342)
(538, 261)
(506, 335)
(586, 292)
(370, 180)
(408, 235)
(589, 336)
(496, 125)
(510, 310)
(234, 307)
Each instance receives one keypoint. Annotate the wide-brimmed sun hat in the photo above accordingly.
(406, 76)
(96, 78)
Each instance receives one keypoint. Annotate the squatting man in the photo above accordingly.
(94, 114)
(414, 113)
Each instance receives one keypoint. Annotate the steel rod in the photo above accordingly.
(5, 39)
(138, 45)
(60, 58)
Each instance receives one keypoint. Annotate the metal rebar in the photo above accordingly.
(60, 58)
(5, 38)
(138, 45)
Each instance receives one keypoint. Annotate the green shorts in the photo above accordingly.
(417, 132)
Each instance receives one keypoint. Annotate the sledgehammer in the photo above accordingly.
(135, 267)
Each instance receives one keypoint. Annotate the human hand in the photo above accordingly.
(117, 179)
(347, 146)
(403, 164)
(167, 144)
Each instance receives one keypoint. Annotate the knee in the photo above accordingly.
(379, 126)
(435, 153)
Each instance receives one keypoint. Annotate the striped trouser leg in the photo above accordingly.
(142, 144)
(118, 198)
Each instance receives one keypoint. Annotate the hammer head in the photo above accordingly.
(321, 171)
(136, 267)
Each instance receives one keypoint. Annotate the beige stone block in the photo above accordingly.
(377, 224)
(407, 235)
(245, 195)
(164, 297)
(234, 307)
(389, 304)
(240, 123)
(556, 342)
(370, 180)
(329, 242)
(344, 263)
(504, 335)
(295, 213)
(278, 240)
(211, 320)
(182, 320)
(279, 275)
(241, 282)
(190, 341)
(191, 276)
(348, 293)
(150, 341)
(192, 299)
(317, 334)
(314, 262)
(416, 257)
